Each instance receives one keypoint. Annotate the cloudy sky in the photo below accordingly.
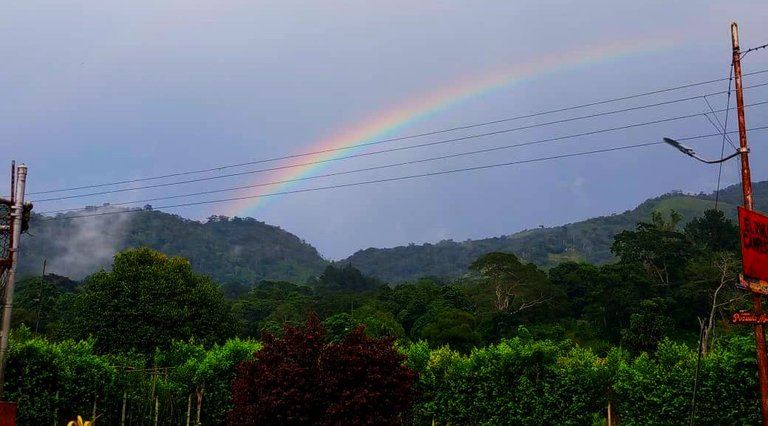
(97, 92)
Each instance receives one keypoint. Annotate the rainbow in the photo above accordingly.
(384, 124)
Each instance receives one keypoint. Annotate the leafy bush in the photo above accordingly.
(301, 379)
(659, 390)
(515, 382)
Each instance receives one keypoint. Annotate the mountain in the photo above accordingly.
(589, 240)
(228, 250)
(244, 250)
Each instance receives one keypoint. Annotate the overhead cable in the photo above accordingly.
(431, 133)
(392, 179)
(404, 148)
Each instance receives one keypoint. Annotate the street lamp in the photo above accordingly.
(691, 153)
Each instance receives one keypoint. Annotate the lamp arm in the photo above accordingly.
(739, 152)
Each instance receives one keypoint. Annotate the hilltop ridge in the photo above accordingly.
(243, 251)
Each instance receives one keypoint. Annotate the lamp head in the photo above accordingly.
(682, 148)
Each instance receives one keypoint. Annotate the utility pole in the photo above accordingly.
(17, 214)
(746, 185)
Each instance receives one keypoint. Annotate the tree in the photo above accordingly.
(147, 301)
(344, 278)
(39, 301)
(517, 287)
(454, 328)
(301, 379)
(271, 303)
(710, 292)
(709, 289)
(576, 280)
(409, 302)
(657, 246)
(713, 232)
(647, 327)
(613, 296)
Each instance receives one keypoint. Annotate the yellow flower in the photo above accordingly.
(80, 422)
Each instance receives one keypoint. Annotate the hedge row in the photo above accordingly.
(516, 382)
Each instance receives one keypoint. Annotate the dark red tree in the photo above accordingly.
(300, 379)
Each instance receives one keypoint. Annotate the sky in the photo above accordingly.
(98, 92)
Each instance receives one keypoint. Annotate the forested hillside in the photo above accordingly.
(227, 250)
(588, 241)
(244, 250)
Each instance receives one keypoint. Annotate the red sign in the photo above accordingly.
(745, 317)
(753, 228)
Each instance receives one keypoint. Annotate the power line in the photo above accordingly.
(421, 145)
(392, 179)
(347, 185)
(725, 136)
(366, 169)
(744, 53)
(719, 125)
(431, 133)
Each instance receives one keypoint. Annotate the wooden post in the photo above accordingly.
(746, 186)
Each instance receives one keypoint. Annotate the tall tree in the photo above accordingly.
(713, 232)
(576, 280)
(516, 286)
(657, 246)
(146, 301)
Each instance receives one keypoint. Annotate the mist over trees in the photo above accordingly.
(229, 250)
(236, 252)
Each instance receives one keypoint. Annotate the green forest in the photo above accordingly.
(644, 338)
(242, 251)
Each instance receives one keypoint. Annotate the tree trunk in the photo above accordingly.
(93, 411)
(125, 403)
(704, 335)
(613, 418)
(56, 411)
(157, 410)
(710, 330)
(189, 409)
(152, 394)
(199, 393)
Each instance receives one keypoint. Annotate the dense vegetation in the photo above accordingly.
(147, 301)
(586, 241)
(233, 250)
(505, 343)
(516, 381)
(239, 252)
(55, 381)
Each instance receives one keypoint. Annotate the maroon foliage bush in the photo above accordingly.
(301, 379)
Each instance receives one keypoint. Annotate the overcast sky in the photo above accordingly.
(95, 92)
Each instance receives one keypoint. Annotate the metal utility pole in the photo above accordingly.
(17, 214)
(746, 185)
